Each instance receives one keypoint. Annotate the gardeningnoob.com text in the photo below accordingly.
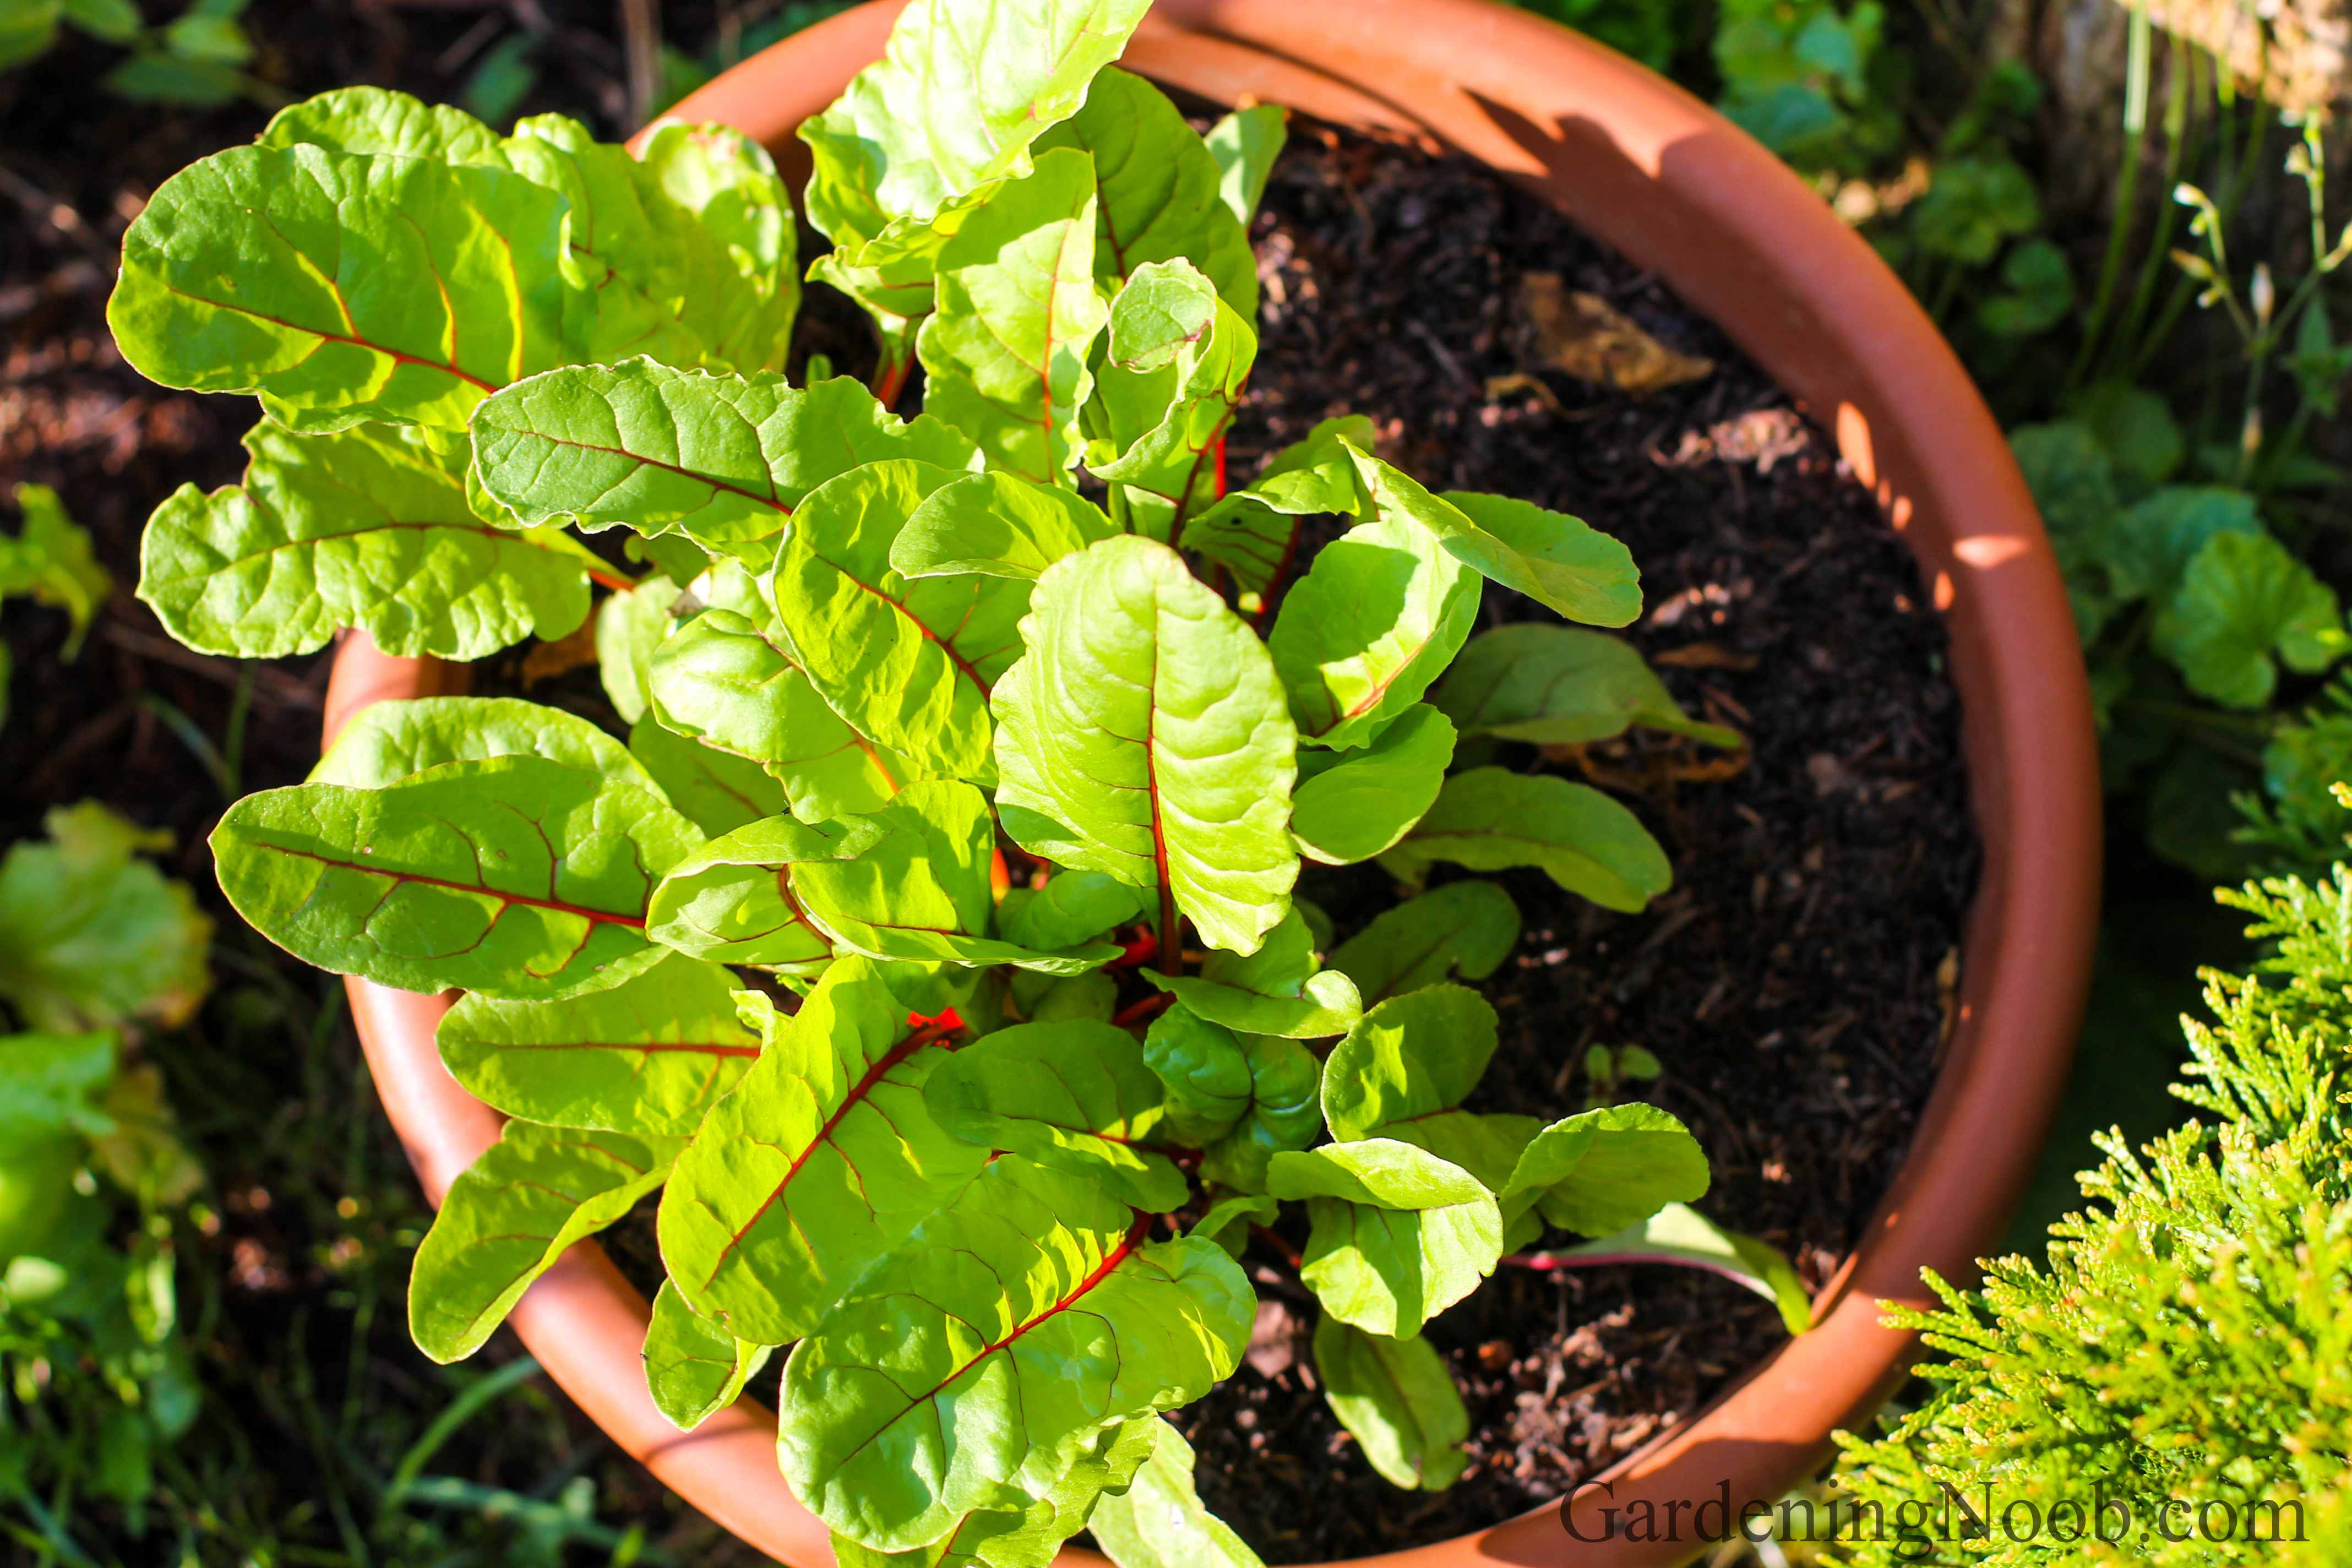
(1917, 1525)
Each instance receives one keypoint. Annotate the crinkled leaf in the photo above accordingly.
(724, 680)
(365, 527)
(1351, 805)
(1283, 1113)
(1158, 189)
(1280, 967)
(893, 273)
(1609, 1168)
(1377, 618)
(1420, 941)
(722, 459)
(908, 661)
(980, 1363)
(1203, 1072)
(716, 790)
(998, 525)
(1071, 908)
(1554, 559)
(511, 1215)
(694, 1369)
(629, 627)
(1253, 533)
(1397, 1235)
(955, 101)
(1559, 686)
(1006, 349)
(1031, 1537)
(372, 120)
(1327, 1005)
(1245, 143)
(730, 183)
(732, 901)
(2241, 598)
(1143, 734)
(1179, 359)
(1077, 1096)
(1678, 1234)
(647, 1056)
(386, 741)
(51, 559)
(514, 876)
(1399, 1400)
(1159, 1521)
(920, 893)
(91, 936)
(819, 1161)
(343, 288)
(1489, 818)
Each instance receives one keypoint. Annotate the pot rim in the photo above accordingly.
(1644, 166)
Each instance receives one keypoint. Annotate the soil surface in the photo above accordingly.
(1794, 983)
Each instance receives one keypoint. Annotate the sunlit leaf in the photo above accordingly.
(1490, 819)
(1398, 1234)
(1077, 1096)
(1397, 1398)
(694, 1369)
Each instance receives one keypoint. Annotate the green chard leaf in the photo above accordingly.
(1179, 359)
(1557, 686)
(910, 661)
(1077, 1096)
(1203, 1073)
(1378, 617)
(1275, 991)
(334, 285)
(722, 459)
(1679, 1234)
(1403, 1072)
(1030, 1537)
(390, 740)
(1245, 143)
(1604, 1170)
(2240, 598)
(647, 1056)
(1158, 1521)
(91, 935)
(730, 183)
(365, 527)
(1252, 534)
(717, 791)
(511, 1215)
(1074, 907)
(732, 900)
(1283, 1113)
(727, 680)
(1228, 1220)
(955, 102)
(1490, 819)
(1419, 943)
(694, 1369)
(1351, 805)
(629, 627)
(1158, 189)
(982, 1361)
(997, 525)
(920, 893)
(1006, 349)
(1142, 735)
(1398, 1235)
(1396, 1397)
(821, 1159)
(516, 877)
(51, 559)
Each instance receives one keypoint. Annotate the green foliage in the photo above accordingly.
(50, 560)
(2178, 1346)
(192, 59)
(881, 668)
(92, 937)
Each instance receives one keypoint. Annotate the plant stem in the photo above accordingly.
(2127, 189)
(1171, 950)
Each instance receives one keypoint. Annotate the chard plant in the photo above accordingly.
(984, 1148)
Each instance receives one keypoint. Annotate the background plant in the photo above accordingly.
(855, 622)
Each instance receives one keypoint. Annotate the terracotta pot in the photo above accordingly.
(1678, 189)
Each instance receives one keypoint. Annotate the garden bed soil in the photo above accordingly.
(1796, 982)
